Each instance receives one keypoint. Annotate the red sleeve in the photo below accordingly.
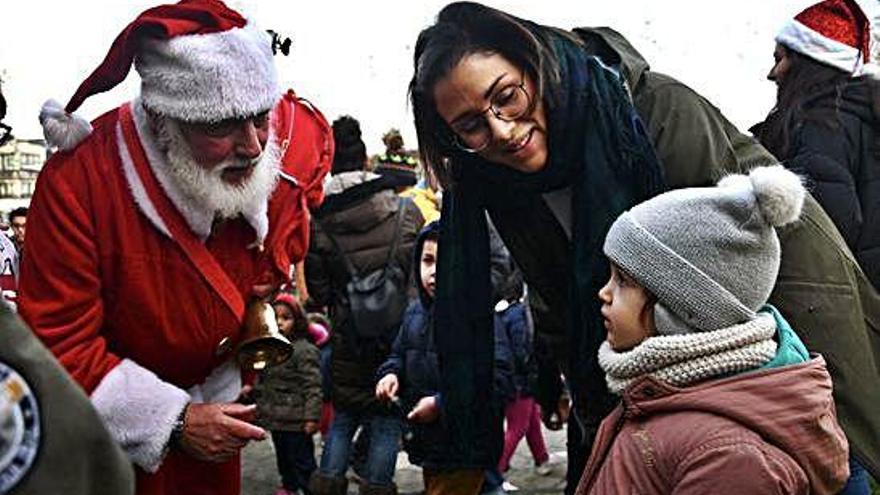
(60, 287)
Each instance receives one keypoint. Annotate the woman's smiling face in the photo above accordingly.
(469, 99)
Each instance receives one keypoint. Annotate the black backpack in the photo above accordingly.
(376, 300)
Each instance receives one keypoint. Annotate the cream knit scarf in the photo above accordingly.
(682, 360)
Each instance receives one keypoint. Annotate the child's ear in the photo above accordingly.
(647, 314)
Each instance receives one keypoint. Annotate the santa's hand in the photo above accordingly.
(386, 389)
(216, 432)
(426, 411)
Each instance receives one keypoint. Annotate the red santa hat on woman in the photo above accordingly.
(199, 61)
(833, 32)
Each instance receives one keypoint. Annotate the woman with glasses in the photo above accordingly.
(554, 134)
(519, 120)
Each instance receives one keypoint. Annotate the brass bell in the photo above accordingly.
(262, 344)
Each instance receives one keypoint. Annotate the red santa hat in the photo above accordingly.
(199, 61)
(833, 32)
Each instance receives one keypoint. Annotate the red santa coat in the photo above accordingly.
(137, 307)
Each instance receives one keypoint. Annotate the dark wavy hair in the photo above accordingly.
(351, 152)
(804, 80)
(462, 29)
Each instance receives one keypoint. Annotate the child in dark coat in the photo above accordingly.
(289, 399)
(512, 319)
(411, 375)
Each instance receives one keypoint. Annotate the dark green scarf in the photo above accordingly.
(597, 146)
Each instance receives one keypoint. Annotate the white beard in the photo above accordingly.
(206, 187)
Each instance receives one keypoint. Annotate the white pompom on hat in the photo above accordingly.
(833, 32)
(710, 255)
(199, 61)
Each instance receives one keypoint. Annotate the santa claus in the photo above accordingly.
(153, 225)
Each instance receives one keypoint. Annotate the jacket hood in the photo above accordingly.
(614, 50)
(433, 227)
(791, 407)
(359, 206)
(338, 183)
(855, 97)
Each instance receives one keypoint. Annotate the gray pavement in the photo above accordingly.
(260, 476)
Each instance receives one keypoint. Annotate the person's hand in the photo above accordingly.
(426, 410)
(563, 408)
(386, 389)
(555, 420)
(310, 427)
(216, 432)
(246, 396)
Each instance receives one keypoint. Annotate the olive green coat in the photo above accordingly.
(820, 288)
(289, 395)
(76, 454)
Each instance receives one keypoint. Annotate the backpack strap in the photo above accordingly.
(397, 227)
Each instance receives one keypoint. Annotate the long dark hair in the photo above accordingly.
(462, 29)
(803, 81)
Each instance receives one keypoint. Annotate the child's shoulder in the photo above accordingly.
(415, 315)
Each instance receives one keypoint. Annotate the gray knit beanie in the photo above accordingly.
(710, 255)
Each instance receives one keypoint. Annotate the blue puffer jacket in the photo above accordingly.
(515, 370)
(413, 359)
(413, 356)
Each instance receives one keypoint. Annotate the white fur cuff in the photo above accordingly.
(139, 410)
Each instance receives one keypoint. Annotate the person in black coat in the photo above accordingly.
(410, 378)
(824, 126)
(363, 221)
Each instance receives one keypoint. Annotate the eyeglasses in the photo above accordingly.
(509, 103)
(228, 126)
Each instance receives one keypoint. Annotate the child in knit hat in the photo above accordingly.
(719, 395)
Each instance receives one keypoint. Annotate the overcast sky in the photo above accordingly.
(356, 57)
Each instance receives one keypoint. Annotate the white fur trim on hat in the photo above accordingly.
(209, 77)
(139, 410)
(61, 129)
(815, 45)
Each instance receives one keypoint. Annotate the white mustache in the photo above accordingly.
(237, 163)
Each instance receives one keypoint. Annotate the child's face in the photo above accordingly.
(429, 266)
(627, 309)
(284, 318)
